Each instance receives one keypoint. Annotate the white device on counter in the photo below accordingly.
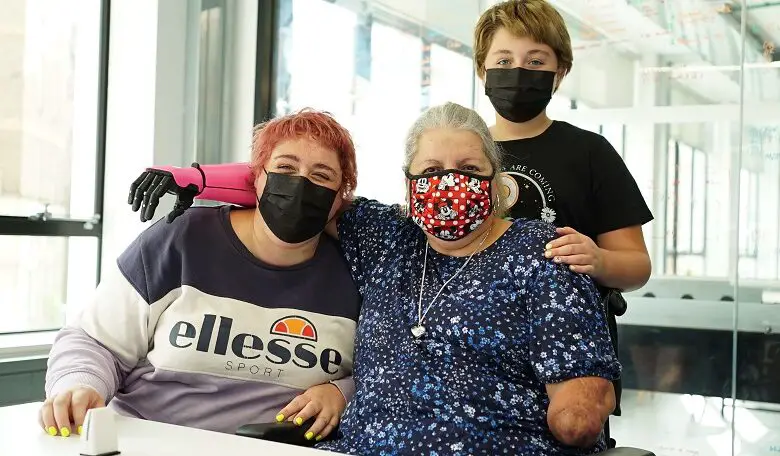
(99, 436)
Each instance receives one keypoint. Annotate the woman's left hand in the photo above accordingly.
(577, 250)
(323, 401)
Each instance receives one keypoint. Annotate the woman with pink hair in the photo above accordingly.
(219, 319)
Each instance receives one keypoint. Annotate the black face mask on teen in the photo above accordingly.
(295, 208)
(518, 94)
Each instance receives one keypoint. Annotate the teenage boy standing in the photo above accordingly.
(562, 174)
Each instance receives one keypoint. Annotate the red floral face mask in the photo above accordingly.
(449, 204)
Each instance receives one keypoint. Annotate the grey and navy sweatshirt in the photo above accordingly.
(189, 328)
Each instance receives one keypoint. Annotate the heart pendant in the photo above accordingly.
(418, 331)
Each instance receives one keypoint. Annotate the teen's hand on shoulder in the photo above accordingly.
(64, 413)
(576, 250)
(323, 401)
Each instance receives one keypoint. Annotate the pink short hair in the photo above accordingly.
(317, 126)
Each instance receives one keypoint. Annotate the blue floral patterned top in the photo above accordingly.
(510, 323)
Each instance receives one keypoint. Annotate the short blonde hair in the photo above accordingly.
(535, 19)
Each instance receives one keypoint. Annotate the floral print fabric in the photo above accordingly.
(510, 323)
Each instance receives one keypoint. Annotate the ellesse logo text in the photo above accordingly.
(289, 341)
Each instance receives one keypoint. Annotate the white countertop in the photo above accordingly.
(20, 435)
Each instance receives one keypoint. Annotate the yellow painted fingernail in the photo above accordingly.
(52, 430)
(299, 421)
(65, 432)
(80, 429)
(279, 418)
(319, 437)
(548, 253)
(548, 246)
(309, 435)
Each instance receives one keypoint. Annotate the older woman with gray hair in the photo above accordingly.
(469, 340)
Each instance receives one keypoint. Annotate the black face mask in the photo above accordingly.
(295, 208)
(518, 94)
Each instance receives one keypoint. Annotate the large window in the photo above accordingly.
(52, 86)
(376, 71)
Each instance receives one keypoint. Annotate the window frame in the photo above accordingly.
(750, 251)
(266, 58)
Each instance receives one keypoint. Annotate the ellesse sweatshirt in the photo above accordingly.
(189, 328)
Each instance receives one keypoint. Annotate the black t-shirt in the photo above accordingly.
(572, 177)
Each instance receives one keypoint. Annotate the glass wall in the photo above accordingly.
(688, 93)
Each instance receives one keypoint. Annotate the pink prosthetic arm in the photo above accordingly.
(227, 183)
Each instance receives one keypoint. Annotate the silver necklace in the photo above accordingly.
(419, 330)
